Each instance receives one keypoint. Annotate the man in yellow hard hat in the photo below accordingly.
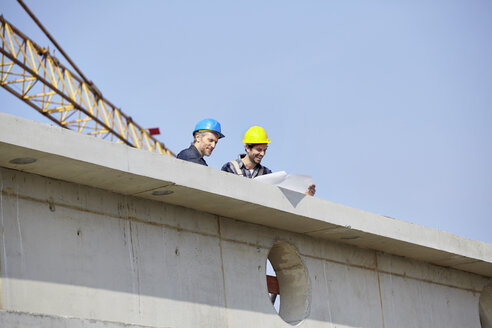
(248, 165)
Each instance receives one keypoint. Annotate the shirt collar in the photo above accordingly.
(195, 150)
(239, 160)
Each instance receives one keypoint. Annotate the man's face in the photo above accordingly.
(206, 142)
(256, 152)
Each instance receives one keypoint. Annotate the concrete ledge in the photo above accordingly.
(14, 319)
(73, 157)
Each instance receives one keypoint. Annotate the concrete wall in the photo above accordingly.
(97, 234)
(78, 256)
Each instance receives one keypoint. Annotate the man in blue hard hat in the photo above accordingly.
(206, 134)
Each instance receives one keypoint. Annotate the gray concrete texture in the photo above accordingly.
(84, 243)
(14, 319)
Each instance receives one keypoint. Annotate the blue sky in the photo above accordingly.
(388, 105)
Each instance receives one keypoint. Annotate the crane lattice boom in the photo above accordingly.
(29, 72)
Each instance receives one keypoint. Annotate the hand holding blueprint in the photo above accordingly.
(296, 182)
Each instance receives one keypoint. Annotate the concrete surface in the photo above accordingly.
(85, 243)
(30, 320)
(69, 156)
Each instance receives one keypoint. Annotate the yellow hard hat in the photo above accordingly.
(255, 135)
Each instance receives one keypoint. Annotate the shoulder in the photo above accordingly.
(234, 166)
(228, 167)
(191, 155)
(183, 153)
(187, 153)
(266, 170)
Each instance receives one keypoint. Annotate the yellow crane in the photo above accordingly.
(67, 98)
(31, 73)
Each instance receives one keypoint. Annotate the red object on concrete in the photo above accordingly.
(272, 285)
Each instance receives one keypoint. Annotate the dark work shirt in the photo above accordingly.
(191, 154)
(229, 167)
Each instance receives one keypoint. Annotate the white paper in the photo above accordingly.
(296, 182)
(272, 178)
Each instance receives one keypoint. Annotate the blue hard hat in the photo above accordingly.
(209, 124)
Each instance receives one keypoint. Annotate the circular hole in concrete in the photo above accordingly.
(485, 307)
(293, 283)
(349, 237)
(162, 192)
(272, 286)
(23, 160)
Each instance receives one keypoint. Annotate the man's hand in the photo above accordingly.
(311, 190)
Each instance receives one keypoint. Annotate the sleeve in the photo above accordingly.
(227, 167)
